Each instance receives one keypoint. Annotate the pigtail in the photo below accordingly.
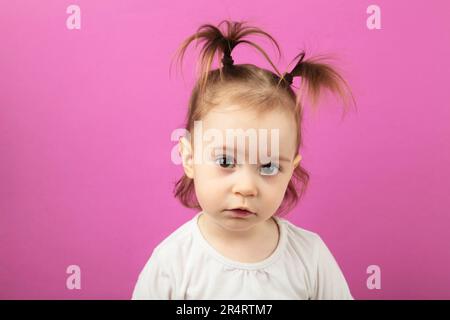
(316, 75)
(221, 43)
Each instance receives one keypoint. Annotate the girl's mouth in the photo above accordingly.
(241, 212)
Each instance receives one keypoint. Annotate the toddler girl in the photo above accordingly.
(238, 245)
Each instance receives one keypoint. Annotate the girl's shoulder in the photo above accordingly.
(177, 242)
(293, 230)
(300, 239)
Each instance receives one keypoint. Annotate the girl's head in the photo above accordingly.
(244, 96)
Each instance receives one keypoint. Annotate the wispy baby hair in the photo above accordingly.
(254, 87)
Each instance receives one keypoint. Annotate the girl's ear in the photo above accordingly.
(185, 150)
(297, 160)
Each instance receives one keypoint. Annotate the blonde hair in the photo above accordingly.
(253, 87)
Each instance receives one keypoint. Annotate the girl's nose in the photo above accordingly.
(245, 183)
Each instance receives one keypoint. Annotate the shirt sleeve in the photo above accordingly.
(330, 282)
(154, 281)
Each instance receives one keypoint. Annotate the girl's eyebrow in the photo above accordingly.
(224, 149)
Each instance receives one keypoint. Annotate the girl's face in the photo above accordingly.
(224, 183)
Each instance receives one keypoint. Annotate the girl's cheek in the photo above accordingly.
(276, 187)
(210, 172)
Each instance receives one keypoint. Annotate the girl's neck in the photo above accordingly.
(248, 246)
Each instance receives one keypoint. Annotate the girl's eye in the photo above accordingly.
(270, 169)
(225, 161)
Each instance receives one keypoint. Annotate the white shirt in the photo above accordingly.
(185, 266)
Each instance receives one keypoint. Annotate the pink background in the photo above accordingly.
(86, 115)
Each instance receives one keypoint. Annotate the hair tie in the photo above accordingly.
(227, 60)
(289, 76)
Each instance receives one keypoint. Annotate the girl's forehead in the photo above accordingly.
(272, 128)
(234, 117)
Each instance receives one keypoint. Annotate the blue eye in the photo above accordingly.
(222, 161)
(270, 169)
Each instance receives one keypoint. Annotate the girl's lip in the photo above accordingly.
(241, 212)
